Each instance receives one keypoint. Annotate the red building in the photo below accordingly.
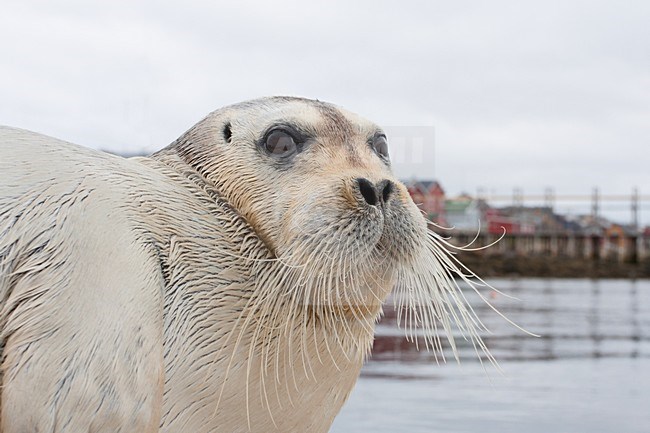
(430, 197)
(499, 219)
(497, 223)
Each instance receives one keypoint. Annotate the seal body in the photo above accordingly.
(229, 282)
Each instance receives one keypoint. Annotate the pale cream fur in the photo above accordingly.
(205, 288)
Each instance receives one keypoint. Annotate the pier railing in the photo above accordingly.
(617, 246)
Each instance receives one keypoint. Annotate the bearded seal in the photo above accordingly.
(229, 282)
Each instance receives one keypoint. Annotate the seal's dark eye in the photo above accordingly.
(279, 143)
(380, 145)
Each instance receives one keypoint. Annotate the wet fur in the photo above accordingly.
(207, 287)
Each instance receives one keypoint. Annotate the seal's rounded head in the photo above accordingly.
(314, 181)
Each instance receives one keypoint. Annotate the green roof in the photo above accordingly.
(457, 206)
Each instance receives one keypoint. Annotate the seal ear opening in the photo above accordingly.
(227, 132)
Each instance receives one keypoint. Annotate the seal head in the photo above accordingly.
(315, 184)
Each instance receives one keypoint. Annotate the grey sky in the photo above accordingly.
(519, 94)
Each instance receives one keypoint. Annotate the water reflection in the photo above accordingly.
(574, 318)
(588, 372)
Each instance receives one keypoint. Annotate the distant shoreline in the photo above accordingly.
(512, 265)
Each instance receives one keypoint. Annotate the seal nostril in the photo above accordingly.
(367, 190)
(387, 191)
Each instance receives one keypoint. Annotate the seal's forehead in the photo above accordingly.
(320, 117)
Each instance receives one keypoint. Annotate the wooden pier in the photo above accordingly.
(612, 245)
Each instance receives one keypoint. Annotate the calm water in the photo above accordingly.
(588, 372)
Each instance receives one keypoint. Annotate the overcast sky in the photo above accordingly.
(492, 95)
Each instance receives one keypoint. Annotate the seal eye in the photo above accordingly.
(279, 143)
(380, 145)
